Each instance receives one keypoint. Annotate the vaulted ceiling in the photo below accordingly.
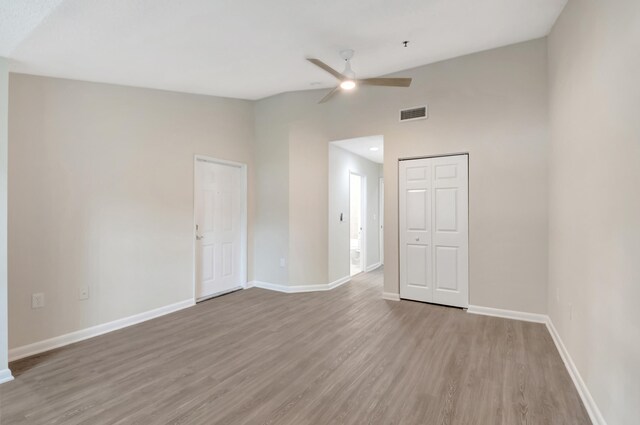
(253, 48)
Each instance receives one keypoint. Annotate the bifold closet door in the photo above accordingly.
(434, 234)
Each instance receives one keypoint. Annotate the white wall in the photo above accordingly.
(101, 194)
(492, 105)
(341, 163)
(4, 107)
(594, 239)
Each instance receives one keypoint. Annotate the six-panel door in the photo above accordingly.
(433, 196)
(218, 215)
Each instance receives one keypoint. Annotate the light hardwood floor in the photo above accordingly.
(340, 357)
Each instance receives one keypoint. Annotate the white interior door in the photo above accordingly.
(219, 216)
(434, 247)
(416, 273)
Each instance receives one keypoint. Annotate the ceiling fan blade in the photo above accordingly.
(389, 82)
(330, 95)
(319, 63)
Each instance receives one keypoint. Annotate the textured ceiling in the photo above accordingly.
(253, 48)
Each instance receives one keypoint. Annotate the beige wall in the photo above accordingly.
(272, 194)
(341, 163)
(491, 104)
(101, 194)
(4, 108)
(308, 241)
(594, 244)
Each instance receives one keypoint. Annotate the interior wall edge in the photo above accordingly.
(5, 376)
(4, 172)
(587, 399)
(391, 296)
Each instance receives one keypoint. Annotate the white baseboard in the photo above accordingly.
(5, 376)
(269, 286)
(339, 282)
(391, 296)
(508, 314)
(62, 340)
(372, 267)
(294, 289)
(583, 391)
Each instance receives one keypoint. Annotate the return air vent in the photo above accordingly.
(412, 114)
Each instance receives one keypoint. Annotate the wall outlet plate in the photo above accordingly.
(37, 300)
(83, 293)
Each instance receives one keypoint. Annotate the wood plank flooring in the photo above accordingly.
(340, 357)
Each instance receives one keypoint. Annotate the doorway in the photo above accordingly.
(355, 167)
(220, 206)
(356, 223)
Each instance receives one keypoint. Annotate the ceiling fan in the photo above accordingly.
(348, 79)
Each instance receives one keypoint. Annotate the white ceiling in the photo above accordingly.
(253, 48)
(362, 146)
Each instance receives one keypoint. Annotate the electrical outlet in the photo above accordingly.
(282, 262)
(37, 300)
(83, 293)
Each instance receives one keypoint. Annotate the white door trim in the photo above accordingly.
(363, 217)
(381, 219)
(243, 218)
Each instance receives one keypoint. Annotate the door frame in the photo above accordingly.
(243, 219)
(381, 220)
(408, 158)
(363, 219)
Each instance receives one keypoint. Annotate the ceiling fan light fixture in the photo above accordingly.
(348, 81)
(348, 85)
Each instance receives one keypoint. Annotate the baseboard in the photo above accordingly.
(269, 286)
(372, 267)
(508, 314)
(77, 336)
(294, 289)
(583, 391)
(5, 376)
(339, 282)
(391, 296)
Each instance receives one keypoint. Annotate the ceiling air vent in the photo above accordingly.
(412, 114)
